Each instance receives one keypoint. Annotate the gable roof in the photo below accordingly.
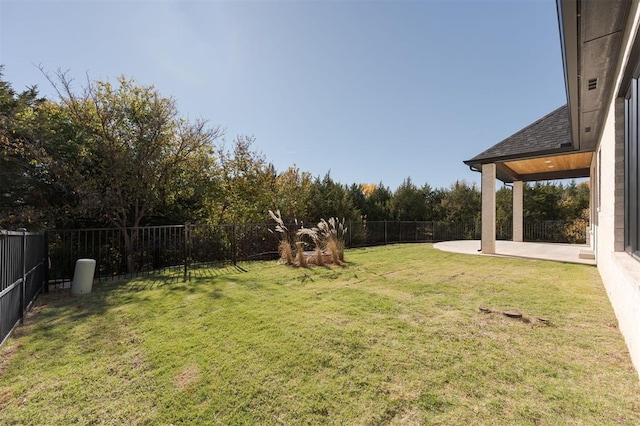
(541, 151)
(548, 135)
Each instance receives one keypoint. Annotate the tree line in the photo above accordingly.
(120, 155)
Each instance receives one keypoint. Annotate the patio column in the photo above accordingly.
(518, 211)
(489, 208)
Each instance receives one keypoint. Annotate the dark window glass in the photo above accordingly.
(632, 170)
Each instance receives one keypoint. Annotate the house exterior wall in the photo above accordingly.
(620, 272)
(605, 175)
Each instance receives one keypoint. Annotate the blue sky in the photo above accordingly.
(372, 91)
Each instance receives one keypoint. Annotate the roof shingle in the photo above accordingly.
(548, 134)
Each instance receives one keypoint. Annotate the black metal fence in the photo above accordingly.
(179, 248)
(141, 251)
(23, 274)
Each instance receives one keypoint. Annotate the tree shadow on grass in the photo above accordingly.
(205, 273)
(128, 291)
(59, 306)
(195, 275)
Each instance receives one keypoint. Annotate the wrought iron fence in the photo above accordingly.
(138, 251)
(23, 274)
(546, 230)
(181, 247)
(372, 233)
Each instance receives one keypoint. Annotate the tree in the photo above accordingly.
(462, 203)
(188, 202)
(504, 204)
(542, 201)
(293, 189)
(19, 174)
(328, 198)
(433, 202)
(139, 149)
(409, 202)
(378, 203)
(245, 184)
(373, 202)
(43, 156)
(575, 199)
(358, 196)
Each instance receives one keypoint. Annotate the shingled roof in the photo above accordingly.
(550, 134)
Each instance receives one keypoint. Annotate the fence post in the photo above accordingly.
(385, 231)
(23, 261)
(45, 263)
(187, 241)
(234, 245)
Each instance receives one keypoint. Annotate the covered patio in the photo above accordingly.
(541, 151)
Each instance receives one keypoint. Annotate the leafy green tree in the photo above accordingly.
(575, 199)
(245, 185)
(504, 204)
(139, 149)
(358, 197)
(542, 201)
(43, 155)
(20, 178)
(434, 202)
(292, 192)
(188, 202)
(409, 202)
(328, 198)
(462, 203)
(378, 203)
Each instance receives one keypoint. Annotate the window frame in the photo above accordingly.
(632, 167)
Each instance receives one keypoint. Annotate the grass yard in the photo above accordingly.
(393, 337)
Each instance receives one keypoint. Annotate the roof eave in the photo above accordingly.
(524, 156)
(568, 23)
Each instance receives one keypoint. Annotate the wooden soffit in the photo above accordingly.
(565, 166)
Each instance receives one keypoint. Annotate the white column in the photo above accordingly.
(518, 211)
(488, 208)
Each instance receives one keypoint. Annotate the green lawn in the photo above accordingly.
(393, 337)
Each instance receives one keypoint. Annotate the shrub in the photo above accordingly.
(327, 236)
(575, 231)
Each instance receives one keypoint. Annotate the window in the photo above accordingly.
(632, 169)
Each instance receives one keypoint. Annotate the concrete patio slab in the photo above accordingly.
(543, 251)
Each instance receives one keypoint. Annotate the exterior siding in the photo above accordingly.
(606, 213)
(619, 271)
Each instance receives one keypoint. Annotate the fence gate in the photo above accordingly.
(23, 268)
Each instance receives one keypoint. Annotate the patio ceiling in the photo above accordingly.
(572, 165)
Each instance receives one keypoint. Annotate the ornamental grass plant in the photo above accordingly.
(284, 244)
